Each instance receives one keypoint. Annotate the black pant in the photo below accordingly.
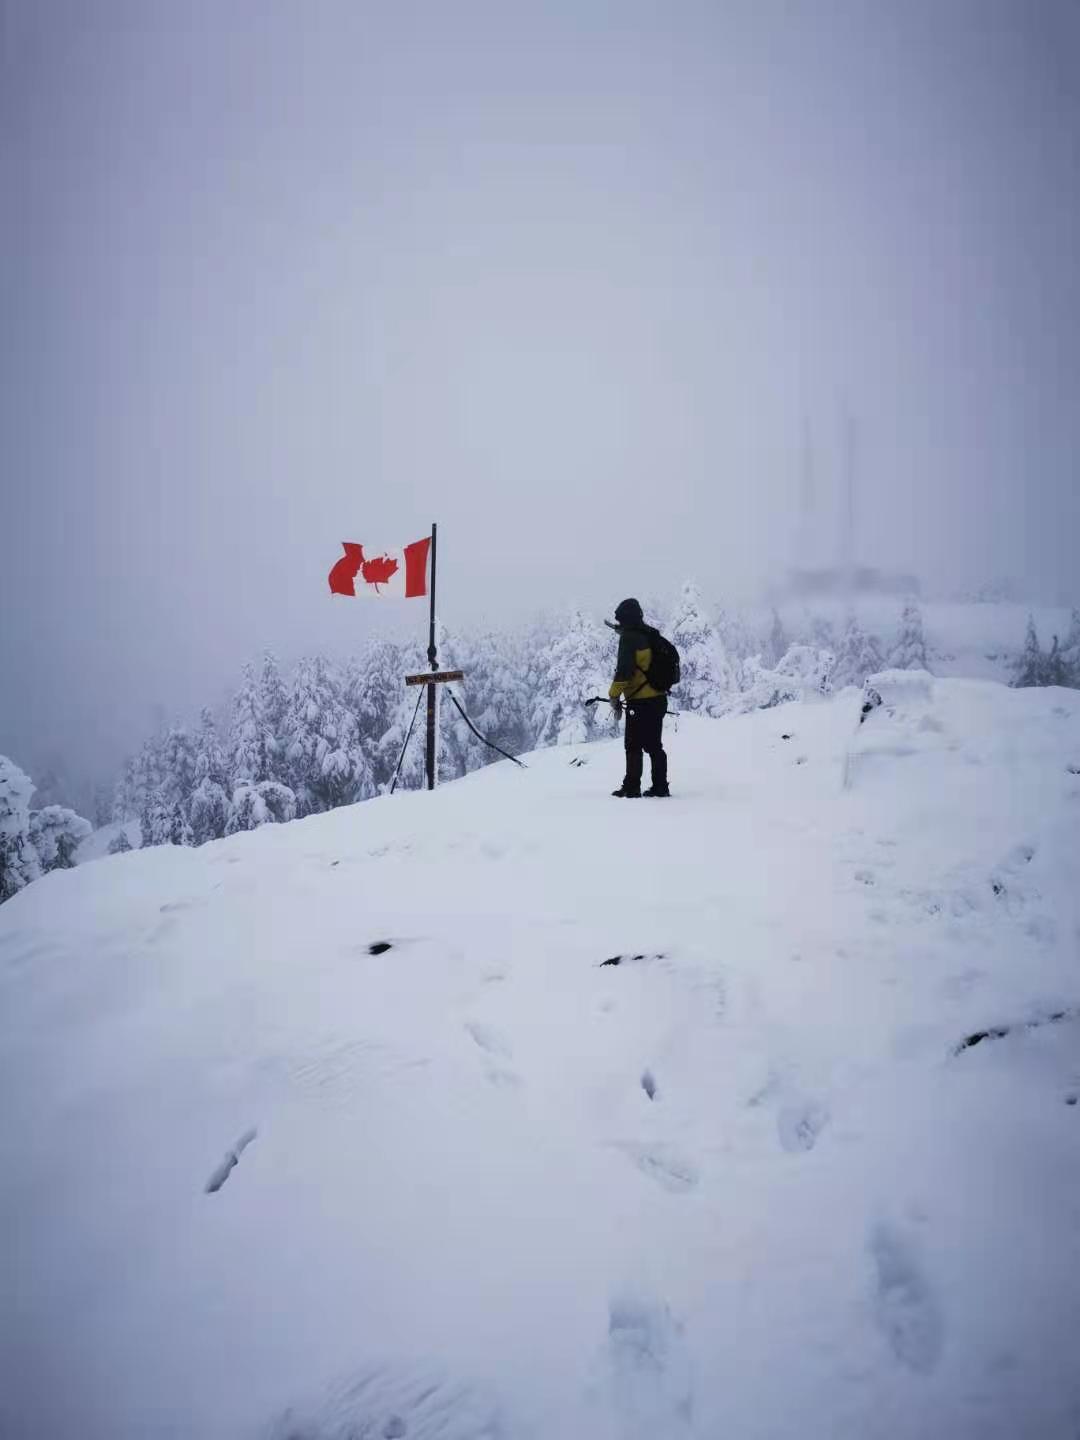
(644, 729)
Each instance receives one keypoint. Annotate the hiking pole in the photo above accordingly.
(603, 700)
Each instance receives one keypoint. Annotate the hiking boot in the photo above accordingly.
(624, 794)
(658, 792)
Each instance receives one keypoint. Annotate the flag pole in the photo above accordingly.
(433, 658)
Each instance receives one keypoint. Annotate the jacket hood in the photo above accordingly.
(629, 612)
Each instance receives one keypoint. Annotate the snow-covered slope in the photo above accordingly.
(257, 1180)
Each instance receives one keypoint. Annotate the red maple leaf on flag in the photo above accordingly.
(378, 571)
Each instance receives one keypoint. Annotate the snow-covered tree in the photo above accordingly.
(494, 694)
(33, 842)
(19, 859)
(167, 823)
(737, 639)
(1055, 669)
(138, 790)
(102, 805)
(857, 656)
(576, 665)
(210, 761)
(263, 803)
(909, 649)
(373, 689)
(1070, 652)
(325, 761)
(819, 633)
(119, 844)
(272, 704)
(208, 812)
(708, 675)
(777, 645)
(1029, 668)
(56, 833)
(391, 744)
(804, 673)
(247, 748)
(178, 755)
(208, 807)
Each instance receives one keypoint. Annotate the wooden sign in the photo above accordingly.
(436, 677)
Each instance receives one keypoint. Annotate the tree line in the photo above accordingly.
(328, 733)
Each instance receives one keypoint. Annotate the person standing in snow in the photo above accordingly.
(645, 705)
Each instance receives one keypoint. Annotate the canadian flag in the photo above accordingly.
(390, 573)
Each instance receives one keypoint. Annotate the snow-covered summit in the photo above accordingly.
(343, 1128)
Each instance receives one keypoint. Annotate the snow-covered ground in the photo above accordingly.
(256, 1180)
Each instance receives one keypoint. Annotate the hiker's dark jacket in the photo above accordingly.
(635, 657)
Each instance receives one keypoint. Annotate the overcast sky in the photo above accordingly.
(563, 276)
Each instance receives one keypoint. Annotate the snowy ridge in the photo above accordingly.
(478, 1183)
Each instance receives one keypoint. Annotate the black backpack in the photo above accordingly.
(664, 671)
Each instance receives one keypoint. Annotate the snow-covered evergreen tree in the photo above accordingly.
(1070, 652)
(57, 832)
(208, 808)
(1055, 671)
(210, 761)
(102, 805)
(575, 665)
(388, 751)
(263, 803)
(708, 675)
(19, 859)
(325, 761)
(858, 655)
(777, 645)
(178, 755)
(33, 842)
(247, 749)
(373, 690)
(804, 673)
(272, 707)
(119, 844)
(494, 694)
(909, 649)
(167, 823)
(1029, 668)
(820, 634)
(208, 812)
(143, 781)
(737, 639)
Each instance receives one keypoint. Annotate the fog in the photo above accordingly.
(568, 278)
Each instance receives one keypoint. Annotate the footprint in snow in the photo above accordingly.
(647, 1374)
(488, 1039)
(496, 1048)
(398, 1402)
(799, 1125)
(668, 1167)
(906, 1308)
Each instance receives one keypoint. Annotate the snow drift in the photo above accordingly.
(344, 1129)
